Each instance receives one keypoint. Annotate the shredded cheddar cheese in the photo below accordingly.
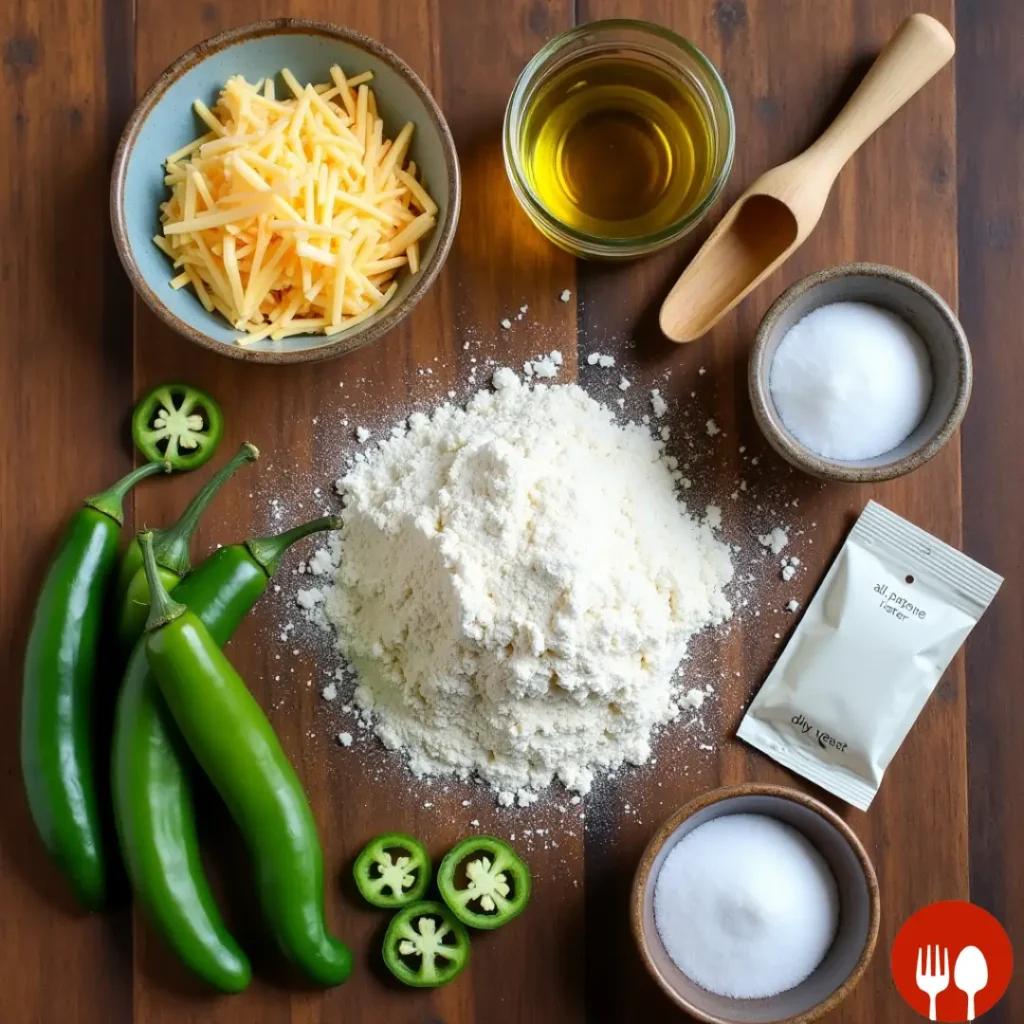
(294, 216)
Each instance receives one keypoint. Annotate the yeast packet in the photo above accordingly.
(892, 611)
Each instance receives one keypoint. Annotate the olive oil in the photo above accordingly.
(617, 147)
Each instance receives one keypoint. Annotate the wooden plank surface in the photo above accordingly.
(781, 104)
(990, 120)
(70, 363)
(65, 375)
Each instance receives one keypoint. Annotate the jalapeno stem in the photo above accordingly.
(268, 551)
(111, 501)
(171, 546)
(162, 607)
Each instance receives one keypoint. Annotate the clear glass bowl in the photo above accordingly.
(634, 40)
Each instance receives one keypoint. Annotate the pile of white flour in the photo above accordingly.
(516, 585)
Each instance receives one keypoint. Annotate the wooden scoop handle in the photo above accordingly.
(918, 50)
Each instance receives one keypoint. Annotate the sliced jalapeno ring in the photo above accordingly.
(425, 945)
(179, 423)
(484, 882)
(392, 870)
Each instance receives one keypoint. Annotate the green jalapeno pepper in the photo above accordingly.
(153, 807)
(236, 746)
(58, 684)
(425, 945)
(179, 424)
(392, 871)
(171, 547)
(497, 882)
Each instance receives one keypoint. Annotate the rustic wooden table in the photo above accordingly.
(938, 192)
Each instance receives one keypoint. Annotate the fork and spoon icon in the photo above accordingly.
(970, 975)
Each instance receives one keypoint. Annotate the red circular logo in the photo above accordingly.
(952, 961)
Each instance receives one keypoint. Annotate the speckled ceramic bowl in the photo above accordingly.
(925, 311)
(859, 908)
(164, 121)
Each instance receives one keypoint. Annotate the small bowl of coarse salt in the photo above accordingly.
(755, 904)
(859, 373)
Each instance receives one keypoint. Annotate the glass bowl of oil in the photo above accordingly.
(618, 137)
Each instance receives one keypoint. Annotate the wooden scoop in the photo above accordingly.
(782, 207)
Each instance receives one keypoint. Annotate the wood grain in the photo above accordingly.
(70, 368)
(781, 105)
(65, 365)
(498, 264)
(990, 108)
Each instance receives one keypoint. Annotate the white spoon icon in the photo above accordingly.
(970, 975)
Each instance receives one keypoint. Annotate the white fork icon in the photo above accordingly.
(932, 981)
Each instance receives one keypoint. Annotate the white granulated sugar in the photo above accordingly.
(851, 380)
(329, 692)
(746, 906)
(345, 739)
(362, 435)
(712, 428)
(605, 361)
(792, 605)
(565, 295)
(624, 384)
(513, 609)
(658, 404)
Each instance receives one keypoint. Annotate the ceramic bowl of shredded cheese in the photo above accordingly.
(285, 192)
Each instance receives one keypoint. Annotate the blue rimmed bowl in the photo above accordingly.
(164, 122)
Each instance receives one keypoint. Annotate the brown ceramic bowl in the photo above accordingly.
(925, 311)
(164, 121)
(859, 908)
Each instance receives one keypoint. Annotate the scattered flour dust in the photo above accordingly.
(516, 584)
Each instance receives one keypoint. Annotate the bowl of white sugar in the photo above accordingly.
(755, 905)
(859, 373)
